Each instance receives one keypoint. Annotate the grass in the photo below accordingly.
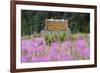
(59, 36)
(26, 37)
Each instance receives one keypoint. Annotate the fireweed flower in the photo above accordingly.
(53, 55)
(24, 59)
(56, 51)
(66, 47)
(67, 44)
(53, 51)
(63, 54)
(80, 46)
(39, 44)
(85, 52)
(40, 59)
(65, 57)
(39, 41)
(55, 46)
(27, 45)
(39, 47)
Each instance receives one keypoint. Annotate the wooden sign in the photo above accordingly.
(51, 24)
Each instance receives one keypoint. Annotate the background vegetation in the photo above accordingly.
(33, 21)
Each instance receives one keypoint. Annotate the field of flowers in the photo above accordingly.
(55, 46)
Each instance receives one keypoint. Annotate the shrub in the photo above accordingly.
(62, 36)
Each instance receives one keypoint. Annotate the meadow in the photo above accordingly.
(55, 46)
(45, 46)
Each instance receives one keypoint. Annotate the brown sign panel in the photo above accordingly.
(56, 24)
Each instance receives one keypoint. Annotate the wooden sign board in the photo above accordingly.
(56, 25)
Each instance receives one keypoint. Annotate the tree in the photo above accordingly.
(34, 21)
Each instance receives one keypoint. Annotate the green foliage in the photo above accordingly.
(80, 22)
(38, 22)
(48, 38)
(63, 36)
(55, 36)
(33, 21)
(36, 34)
